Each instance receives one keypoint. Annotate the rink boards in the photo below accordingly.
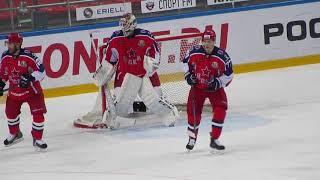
(256, 37)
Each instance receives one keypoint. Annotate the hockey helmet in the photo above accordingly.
(209, 34)
(128, 23)
(15, 38)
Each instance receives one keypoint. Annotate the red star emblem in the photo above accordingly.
(131, 53)
(15, 73)
(206, 72)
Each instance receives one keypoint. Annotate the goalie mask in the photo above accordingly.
(128, 23)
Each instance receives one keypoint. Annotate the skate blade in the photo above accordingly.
(217, 152)
(40, 150)
(14, 142)
(172, 124)
(100, 126)
(114, 126)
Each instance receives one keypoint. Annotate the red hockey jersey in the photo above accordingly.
(128, 52)
(206, 67)
(11, 69)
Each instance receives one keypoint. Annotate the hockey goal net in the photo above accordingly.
(172, 51)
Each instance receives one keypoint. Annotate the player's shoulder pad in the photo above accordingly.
(28, 53)
(196, 49)
(222, 54)
(145, 32)
(118, 33)
(4, 54)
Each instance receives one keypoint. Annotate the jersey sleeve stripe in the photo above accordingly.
(36, 60)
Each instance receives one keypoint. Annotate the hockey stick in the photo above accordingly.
(105, 94)
(102, 88)
(194, 110)
(193, 96)
(97, 59)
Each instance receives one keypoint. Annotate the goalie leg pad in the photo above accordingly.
(92, 119)
(157, 105)
(127, 94)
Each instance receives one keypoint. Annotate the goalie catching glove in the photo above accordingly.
(104, 73)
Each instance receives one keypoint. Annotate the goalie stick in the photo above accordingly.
(106, 96)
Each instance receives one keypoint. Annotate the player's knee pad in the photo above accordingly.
(12, 113)
(127, 94)
(38, 118)
(12, 116)
(219, 113)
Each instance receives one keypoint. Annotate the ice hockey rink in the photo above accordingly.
(272, 131)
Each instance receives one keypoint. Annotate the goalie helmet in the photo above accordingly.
(128, 23)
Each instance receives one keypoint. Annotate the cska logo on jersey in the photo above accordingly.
(215, 65)
(141, 43)
(23, 64)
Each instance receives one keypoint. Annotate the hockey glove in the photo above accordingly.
(191, 79)
(2, 85)
(25, 80)
(214, 84)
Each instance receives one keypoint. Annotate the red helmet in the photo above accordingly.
(15, 38)
(209, 34)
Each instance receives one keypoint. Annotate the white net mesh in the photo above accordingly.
(173, 49)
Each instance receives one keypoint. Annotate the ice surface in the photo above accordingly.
(272, 132)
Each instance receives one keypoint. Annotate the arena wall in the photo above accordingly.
(256, 38)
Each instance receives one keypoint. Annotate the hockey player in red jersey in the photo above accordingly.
(132, 54)
(24, 71)
(208, 70)
(127, 48)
